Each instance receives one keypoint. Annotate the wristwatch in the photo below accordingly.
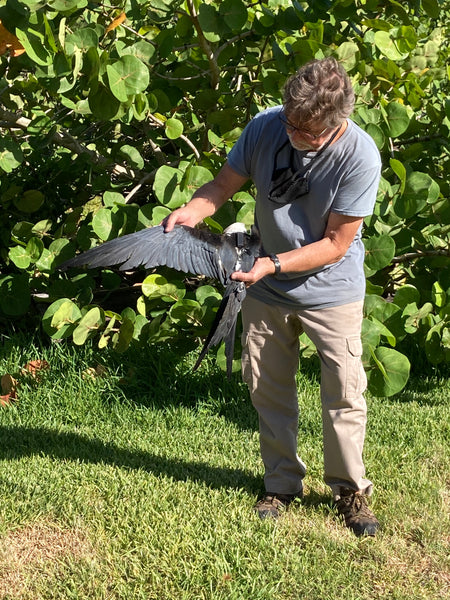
(276, 261)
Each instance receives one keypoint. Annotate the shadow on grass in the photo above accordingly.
(166, 374)
(17, 442)
(426, 390)
(317, 500)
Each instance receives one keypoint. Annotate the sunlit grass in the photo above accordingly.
(140, 483)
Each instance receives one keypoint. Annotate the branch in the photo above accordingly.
(66, 140)
(408, 256)
(160, 123)
(147, 177)
(258, 71)
(236, 38)
(422, 138)
(204, 45)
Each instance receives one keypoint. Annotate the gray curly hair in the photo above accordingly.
(319, 91)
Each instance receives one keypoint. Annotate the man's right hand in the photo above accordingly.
(206, 200)
(181, 216)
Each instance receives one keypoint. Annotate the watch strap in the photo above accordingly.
(276, 261)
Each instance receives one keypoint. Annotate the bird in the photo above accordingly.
(190, 250)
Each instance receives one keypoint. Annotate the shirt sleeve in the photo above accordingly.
(239, 157)
(357, 193)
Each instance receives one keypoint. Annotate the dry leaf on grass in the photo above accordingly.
(9, 384)
(9, 389)
(34, 366)
(94, 372)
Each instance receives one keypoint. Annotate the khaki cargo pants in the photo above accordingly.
(269, 365)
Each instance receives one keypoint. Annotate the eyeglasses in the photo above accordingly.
(303, 132)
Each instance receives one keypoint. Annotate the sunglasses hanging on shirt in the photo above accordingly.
(288, 184)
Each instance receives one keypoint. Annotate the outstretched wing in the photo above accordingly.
(185, 249)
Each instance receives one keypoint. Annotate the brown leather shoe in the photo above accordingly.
(272, 505)
(358, 517)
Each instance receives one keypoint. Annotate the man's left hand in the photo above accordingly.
(262, 267)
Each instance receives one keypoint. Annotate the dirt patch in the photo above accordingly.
(37, 553)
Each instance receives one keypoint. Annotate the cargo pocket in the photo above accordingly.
(356, 380)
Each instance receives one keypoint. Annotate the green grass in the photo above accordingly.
(139, 485)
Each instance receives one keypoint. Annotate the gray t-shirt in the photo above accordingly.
(344, 179)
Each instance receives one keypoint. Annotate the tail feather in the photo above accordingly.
(229, 348)
(224, 324)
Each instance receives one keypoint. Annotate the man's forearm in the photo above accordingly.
(207, 199)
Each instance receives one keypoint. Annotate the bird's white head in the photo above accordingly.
(235, 228)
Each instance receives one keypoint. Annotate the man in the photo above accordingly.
(316, 174)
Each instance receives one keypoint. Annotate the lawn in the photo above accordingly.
(132, 478)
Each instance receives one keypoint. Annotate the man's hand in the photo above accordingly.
(262, 267)
(181, 216)
(207, 199)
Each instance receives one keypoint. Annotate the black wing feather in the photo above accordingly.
(184, 248)
(196, 251)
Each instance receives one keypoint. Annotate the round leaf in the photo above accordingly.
(196, 176)
(405, 295)
(102, 223)
(380, 250)
(142, 50)
(234, 13)
(379, 308)
(122, 339)
(206, 294)
(20, 257)
(35, 248)
(127, 76)
(370, 335)
(186, 313)
(88, 325)
(388, 46)
(31, 201)
(61, 318)
(246, 214)
(10, 155)
(157, 286)
(420, 188)
(400, 171)
(112, 198)
(58, 251)
(438, 295)
(174, 128)
(103, 104)
(167, 187)
(390, 374)
(398, 118)
(83, 39)
(348, 54)
(377, 134)
(210, 22)
(159, 213)
(33, 42)
(132, 156)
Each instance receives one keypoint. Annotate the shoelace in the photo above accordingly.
(354, 504)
